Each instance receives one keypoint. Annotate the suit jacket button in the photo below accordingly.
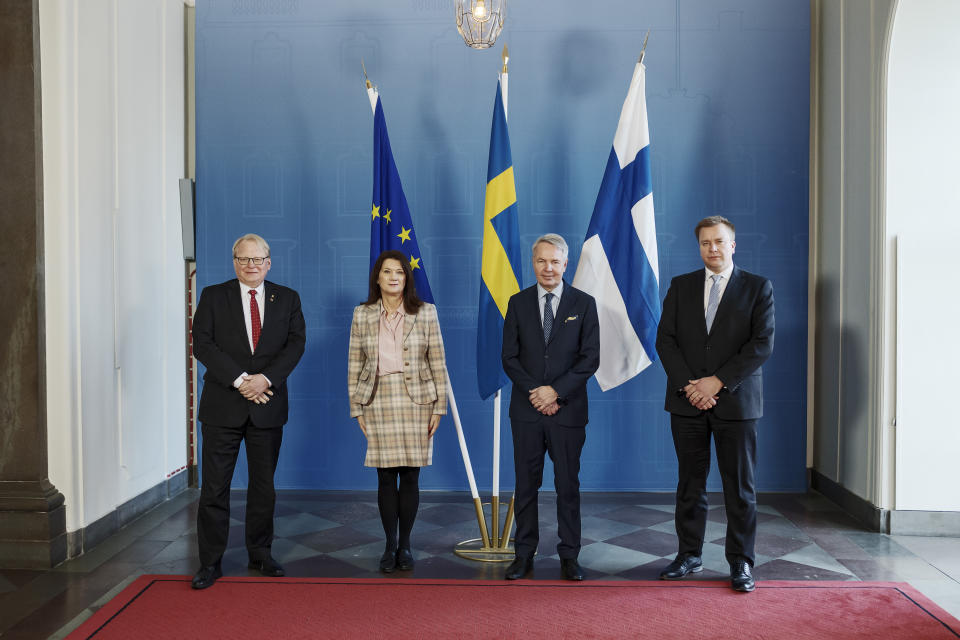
(406, 364)
(546, 356)
(406, 348)
(407, 377)
(708, 347)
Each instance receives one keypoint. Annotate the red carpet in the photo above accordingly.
(166, 607)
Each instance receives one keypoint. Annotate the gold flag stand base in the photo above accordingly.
(473, 549)
(483, 549)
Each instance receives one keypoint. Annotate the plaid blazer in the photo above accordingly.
(424, 362)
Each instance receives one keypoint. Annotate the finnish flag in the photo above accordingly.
(618, 263)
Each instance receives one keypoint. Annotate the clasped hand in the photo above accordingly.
(544, 399)
(702, 392)
(255, 388)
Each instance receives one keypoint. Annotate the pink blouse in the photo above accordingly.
(390, 357)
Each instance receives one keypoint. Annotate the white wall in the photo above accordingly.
(923, 211)
(113, 146)
(849, 71)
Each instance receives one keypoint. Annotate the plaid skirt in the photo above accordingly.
(396, 427)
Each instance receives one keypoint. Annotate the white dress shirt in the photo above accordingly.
(554, 302)
(708, 284)
(245, 302)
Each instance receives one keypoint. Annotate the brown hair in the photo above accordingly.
(712, 221)
(411, 303)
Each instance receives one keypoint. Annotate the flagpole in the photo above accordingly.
(373, 95)
(497, 550)
(495, 497)
(500, 540)
(477, 505)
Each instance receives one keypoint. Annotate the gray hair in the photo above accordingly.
(555, 239)
(252, 237)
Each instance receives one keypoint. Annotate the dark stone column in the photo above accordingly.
(32, 520)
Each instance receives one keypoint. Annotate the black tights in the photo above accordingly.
(398, 505)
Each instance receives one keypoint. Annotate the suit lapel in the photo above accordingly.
(235, 306)
(409, 320)
(373, 328)
(566, 302)
(696, 284)
(730, 293)
(268, 302)
(528, 307)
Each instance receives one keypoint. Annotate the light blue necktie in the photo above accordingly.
(547, 317)
(713, 302)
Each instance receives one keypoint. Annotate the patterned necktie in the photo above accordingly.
(547, 317)
(254, 318)
(713, 302)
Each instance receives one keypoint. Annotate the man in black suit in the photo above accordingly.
(249, 334)
(715, 332)
(551, 346)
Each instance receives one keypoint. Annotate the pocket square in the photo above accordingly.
(571, 318)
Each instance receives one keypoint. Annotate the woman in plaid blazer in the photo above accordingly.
(396, 377)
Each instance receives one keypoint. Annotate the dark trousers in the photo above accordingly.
(220, 448)
(736, 442)
(564, 444)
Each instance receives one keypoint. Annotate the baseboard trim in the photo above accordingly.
(86, 538)
(925, 523)
(863, 511)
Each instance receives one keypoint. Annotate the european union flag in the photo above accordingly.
(618, 264)
(391, 226)
(500, 268)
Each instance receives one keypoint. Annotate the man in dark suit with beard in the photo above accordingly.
(551, 347)
(249, 334)
(715, 332)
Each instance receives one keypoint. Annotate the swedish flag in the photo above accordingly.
(391, 226)
(500, 268)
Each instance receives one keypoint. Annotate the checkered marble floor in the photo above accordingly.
(626, 536)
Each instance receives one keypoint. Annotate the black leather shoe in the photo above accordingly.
(206, 576)
(741, 578)
(520, 567)
(388, 561)
(404, 560)
(570, 569)
(267, 567)
(681, 566)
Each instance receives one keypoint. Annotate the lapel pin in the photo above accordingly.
(272, 297)
(571, 318)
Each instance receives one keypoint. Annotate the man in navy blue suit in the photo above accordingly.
(715, 332)
(249, 333)
(551, 347)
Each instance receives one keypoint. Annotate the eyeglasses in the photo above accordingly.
(246, 261)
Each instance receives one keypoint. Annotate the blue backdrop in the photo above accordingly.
(284, 149)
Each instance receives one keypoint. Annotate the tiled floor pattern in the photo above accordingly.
(337, 534)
